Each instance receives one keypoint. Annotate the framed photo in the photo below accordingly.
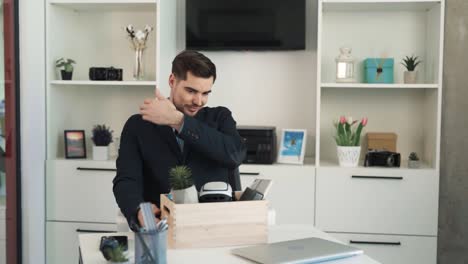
(292, 146)
(75, 144)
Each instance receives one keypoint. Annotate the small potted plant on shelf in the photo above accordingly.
(348, 140)
(410, 64)
(413, 161)
(67, 67)
(102, 137)
(182, 188)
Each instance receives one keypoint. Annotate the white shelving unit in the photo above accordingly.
(391, 29)
(381, 205)
(92, 32)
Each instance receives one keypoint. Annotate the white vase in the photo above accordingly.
(348, 156)
(413, 164)
(185, 196)
(100, 152)
(410, 76)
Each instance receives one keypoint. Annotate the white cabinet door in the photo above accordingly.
(80, 191)
(384, 201)
(292, 193)
(62, 240)
(389, 249)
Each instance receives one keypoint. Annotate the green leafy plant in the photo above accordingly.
(410, 63)
(102, 135)
(413, 156)
(117, 254)
(346, 133)
(180, 177)
(67, 64)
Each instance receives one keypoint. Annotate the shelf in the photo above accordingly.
(106, 5)
(404, 165)
(373, 5)
(105, 83)
(308, 161)
(379, 86)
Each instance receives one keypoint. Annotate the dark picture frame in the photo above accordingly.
(75, 144)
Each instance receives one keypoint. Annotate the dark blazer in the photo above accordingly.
(212, 147)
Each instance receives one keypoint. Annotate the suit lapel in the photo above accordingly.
(199, 116)
(168, 134)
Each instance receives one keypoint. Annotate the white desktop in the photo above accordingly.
(90, 254)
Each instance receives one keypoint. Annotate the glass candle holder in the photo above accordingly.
(345, 66)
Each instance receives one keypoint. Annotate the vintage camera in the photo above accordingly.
(382, 158)
(105, 74)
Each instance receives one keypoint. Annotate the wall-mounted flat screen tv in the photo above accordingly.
(245, 24)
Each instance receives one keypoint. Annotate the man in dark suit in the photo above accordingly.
(172, 131)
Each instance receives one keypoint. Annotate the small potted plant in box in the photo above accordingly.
(410, 64)
(102, 137)
(348, 140)
(183, 189)
(67, 64)
(413, 161)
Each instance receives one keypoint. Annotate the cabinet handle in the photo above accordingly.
(95, 169)
(377, 177)
(93, 231)
(375, 243)
(250, 173)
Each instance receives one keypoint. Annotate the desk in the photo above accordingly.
(89, 244)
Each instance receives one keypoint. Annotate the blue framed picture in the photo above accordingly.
(292, 147)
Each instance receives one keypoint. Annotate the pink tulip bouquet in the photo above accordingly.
(346, 133)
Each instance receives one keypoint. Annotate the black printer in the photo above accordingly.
(260, 142)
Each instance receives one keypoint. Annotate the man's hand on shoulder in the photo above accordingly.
(161, 111)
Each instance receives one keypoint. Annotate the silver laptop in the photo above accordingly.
(308, 250)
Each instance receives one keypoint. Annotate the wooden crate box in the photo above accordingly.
(215, 224)
(382, 141)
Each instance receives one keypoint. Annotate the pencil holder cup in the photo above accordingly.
(151, 247)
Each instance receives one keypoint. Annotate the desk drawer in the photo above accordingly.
(62, 243)
(385, 201)
(389, 249)
(292, 193)
(81, 191)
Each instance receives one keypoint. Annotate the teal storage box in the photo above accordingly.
(378, 70)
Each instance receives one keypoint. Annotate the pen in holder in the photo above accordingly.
(151, 247)
(151, 241)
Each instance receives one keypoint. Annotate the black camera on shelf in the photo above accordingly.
(105, 74)
(382, 158)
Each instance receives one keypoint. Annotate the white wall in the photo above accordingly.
(33, 134)
(269, 88)
(275, 88)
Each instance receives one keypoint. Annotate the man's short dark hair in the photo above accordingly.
(194, 62)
